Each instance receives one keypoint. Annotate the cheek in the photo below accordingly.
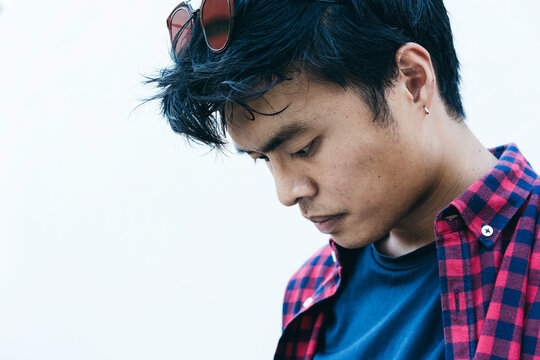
(368, 171)
(346, 177)
(371, 180)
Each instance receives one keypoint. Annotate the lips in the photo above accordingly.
(326, 224)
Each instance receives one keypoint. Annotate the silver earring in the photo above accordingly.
(426, 110)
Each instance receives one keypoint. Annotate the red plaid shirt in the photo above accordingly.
(489, 271)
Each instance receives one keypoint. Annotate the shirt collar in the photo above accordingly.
(343, 256)
(494, 198)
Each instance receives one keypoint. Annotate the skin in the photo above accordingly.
(383, 183)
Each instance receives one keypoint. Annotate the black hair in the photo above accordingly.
(351, 44)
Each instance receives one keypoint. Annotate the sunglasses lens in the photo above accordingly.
(216, 23)
(180, 28)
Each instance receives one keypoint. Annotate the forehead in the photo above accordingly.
(300, 100)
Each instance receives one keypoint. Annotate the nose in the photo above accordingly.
(292, 185)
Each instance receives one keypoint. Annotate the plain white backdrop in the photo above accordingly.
(119, 241)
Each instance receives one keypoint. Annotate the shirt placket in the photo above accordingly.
(456, 288)
(302, 332)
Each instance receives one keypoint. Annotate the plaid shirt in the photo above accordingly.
(489, 271)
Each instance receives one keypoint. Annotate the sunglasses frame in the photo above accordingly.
(230, 4)
(182, 6)
(185, 5)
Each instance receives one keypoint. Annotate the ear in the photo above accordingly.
(417, 72)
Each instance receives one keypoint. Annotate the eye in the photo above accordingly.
(306, 151)
(262, 157)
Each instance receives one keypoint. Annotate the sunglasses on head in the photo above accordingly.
(216, 18)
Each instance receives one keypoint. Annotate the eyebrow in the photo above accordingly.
(283, 134)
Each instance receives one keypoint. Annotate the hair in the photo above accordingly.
(351, 44)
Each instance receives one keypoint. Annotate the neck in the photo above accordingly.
(463, 160)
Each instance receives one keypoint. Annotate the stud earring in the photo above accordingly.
(426, 110)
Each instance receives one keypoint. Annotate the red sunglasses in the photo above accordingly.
(216, 17)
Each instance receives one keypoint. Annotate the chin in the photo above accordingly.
(353, 241)
(350, 242)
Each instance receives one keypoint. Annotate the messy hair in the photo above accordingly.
(351, 44)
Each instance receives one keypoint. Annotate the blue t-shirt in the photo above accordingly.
(386, 308)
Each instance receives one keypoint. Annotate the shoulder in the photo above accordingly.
(529, 214)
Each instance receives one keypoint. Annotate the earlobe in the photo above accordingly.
(416, 70)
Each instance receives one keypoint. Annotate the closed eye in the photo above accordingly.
(262, 157)
(306, 151)
(302, 153)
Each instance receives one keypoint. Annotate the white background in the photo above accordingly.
(118, 241)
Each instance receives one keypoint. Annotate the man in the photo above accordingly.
(354, 105)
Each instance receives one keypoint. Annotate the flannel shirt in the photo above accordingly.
(489, 272)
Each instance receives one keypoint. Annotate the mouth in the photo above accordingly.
(326, 224)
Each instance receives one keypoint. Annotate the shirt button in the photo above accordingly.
(308, 302)
(487, 230)
(334, 256)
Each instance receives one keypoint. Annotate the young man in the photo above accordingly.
(354, 106)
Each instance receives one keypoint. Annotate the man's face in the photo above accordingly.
(355, 179)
